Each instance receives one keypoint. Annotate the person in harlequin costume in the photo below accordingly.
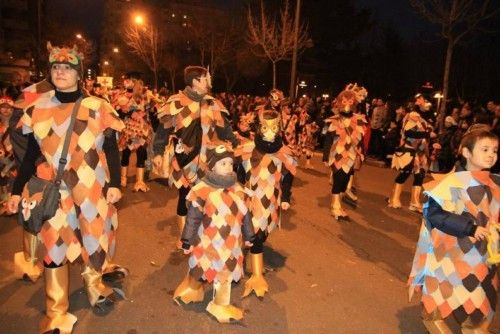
(7, 162)
(217, 228)
(84, 227)
(344, 144)
(455, 264)
(267, 168)
(308, 141)
(136, 136)
(192, 119)
(124, 98)
(244, 127)
(411, 158)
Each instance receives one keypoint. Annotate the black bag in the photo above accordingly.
(40, 198)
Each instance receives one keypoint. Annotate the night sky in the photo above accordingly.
(398, 13)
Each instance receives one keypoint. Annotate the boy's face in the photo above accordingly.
(483, 156)
(223, 166)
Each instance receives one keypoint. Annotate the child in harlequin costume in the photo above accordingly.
(267, 168)
(344, 144)
(308, 141)
(83, 228)
(218, 221)
(136, 136)
(455, 264)
(190, 120)
(411, 158)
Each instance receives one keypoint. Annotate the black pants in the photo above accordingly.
(181, 201)
(340, 181)
(404, 174)
(142, 156)
(258, 242)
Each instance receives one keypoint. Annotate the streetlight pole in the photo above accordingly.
(295, 51)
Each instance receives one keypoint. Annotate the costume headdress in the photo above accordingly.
(65, 55)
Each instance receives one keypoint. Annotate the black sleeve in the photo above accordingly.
(160, 139)
(17, 139)
(247, 228)
(327, 145)
(286, 186)
(459, 226)
(112, 153)
(241, 174)
(28, 167)
(226, 132)
(193, 221)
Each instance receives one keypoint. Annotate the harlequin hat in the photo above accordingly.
(65, 55)
(217, 153)
(6, 100)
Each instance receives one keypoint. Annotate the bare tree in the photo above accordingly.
(148, 43)
(458, 19)
(273, 38)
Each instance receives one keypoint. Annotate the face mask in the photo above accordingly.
(269, 128)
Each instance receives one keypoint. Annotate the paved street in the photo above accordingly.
(324, 277)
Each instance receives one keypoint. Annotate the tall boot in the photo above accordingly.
(336, 209)
(415, 204)
(123, 176)
(57, 301)
(140, 185)
(26, 264)
(256, 282)
(189, 291)
(181, 222)
(434, 324)
(395, 199)
(220, 306)
(98, 294)
(469, 328)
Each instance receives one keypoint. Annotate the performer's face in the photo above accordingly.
(223, 166)
(483, 155)
(203, 84)
(347, 103)
(64, 77)
(269, 128)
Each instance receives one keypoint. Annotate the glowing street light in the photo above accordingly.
(79, 36)
(138, 19)
(106, 63)
(116, 50)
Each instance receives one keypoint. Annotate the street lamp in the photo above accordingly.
(106, 63)
(138, 19)
(116, 50)
(79, 36)
(438, 96)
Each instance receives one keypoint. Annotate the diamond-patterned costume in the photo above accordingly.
(217, 254)
(453, 272)
(85, 224)
(347, 144)
(414, 143)
(182, 114)
(308, 137)
(137, 132)
(264, 175)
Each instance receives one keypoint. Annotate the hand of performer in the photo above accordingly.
(248, 244)
(481, 233)
(113, 195)
(13, 203)
(285, 206)
(188, 251)
(157, 162)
